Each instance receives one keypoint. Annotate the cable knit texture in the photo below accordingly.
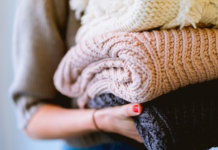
(185, 119)
(138, 67)
(103, 16)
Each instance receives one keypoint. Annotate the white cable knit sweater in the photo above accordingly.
(102, 16)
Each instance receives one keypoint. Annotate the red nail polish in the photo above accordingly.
(136, 108)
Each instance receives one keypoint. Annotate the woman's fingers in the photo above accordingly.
(130, 110)
(118, 120)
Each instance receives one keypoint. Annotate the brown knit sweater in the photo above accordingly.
(138, 67)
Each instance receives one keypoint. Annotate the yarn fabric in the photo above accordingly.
(183, 119)
(103, 16)
(138, 67)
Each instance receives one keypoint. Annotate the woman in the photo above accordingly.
(44, 31)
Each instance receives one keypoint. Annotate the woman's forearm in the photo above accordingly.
(53, 122)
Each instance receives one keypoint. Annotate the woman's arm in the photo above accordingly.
(53, 122)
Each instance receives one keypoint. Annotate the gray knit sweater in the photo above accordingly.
(44, 31)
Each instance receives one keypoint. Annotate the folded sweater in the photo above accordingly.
(103, 16)
(138, 67)
(185, 119)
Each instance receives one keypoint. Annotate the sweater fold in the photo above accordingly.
(138, 67)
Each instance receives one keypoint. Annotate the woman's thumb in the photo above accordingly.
(131, 110)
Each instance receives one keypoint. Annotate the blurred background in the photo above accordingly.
(11, 138)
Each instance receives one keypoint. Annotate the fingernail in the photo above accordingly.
(136, 108)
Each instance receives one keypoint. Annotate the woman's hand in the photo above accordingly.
(54, 122)
(118, 120)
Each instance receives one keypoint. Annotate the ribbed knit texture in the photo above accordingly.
(186, 119)
(138, 67)
(103, 16)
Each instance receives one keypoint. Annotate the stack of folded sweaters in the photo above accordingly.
(117, 61)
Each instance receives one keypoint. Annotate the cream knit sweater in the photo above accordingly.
(138, 67)
(103, 16)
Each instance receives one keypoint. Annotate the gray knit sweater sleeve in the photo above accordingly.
(39, 45)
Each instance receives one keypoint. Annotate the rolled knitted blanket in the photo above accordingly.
(138, 67)
(185, 119)
(103, 16)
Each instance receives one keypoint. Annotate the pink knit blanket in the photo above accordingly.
(138, 67)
